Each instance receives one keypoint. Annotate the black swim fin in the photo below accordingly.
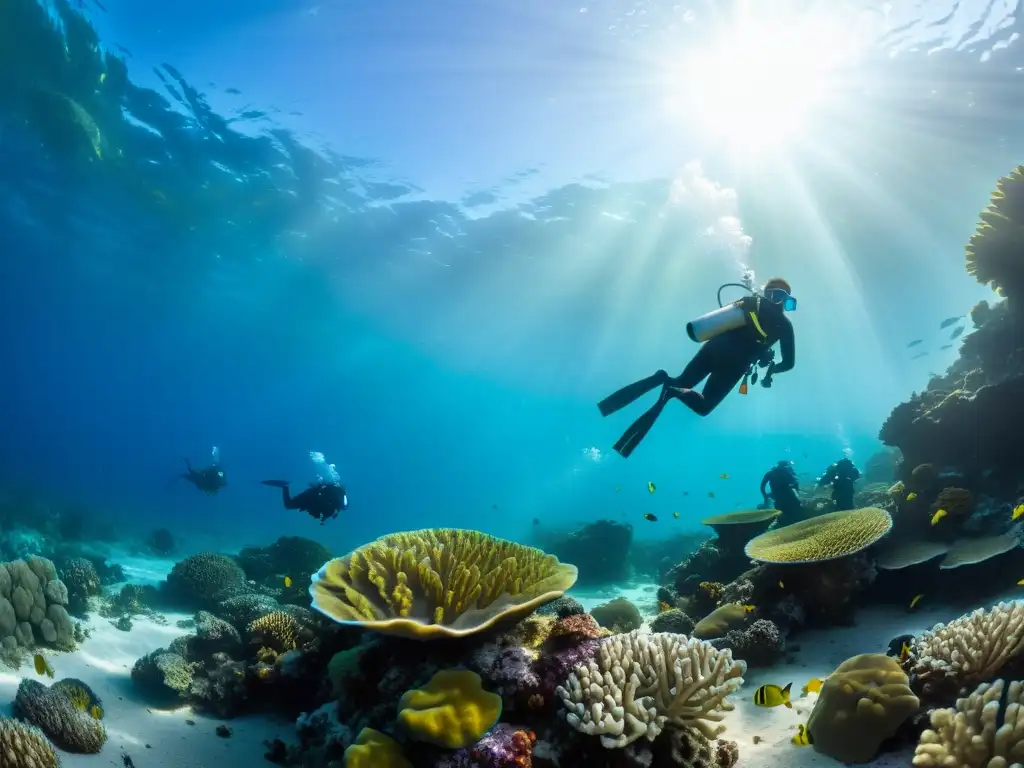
(276, 483)
(638, 430)
(631, 392)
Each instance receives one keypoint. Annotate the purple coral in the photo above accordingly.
(506, 746)
(508, 670)
(760, 645)
(554, 667)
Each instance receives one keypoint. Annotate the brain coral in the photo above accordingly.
(205, 578)
(825, 537)
(25, 746)
(971, 649)
(984, 730)
(51, 710)
(438, 582)
(639, 683)
(861, 704)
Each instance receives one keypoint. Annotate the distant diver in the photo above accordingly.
(210, 480)
(322, 500)
(841, 476)
(739, 338)
(781, 485)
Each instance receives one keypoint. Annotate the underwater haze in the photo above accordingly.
(426, 239)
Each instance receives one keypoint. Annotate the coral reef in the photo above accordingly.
(983, 730)
(82, 582)
(862, 703)
(562, 607)
(451, 711)
(671, 680)
(673, 621)
(25, 746)
(720, 621)
(825, 537)
(759, 645)
(276, 630)
(57, 714)
(32, 606)
(437, 583)
(204, 579)
(373, 749)
(164, 677)
(599, 550)
(161, 542)
(294, 557)
(618, 615)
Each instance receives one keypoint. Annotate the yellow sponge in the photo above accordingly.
(452, 710)
(374, 749)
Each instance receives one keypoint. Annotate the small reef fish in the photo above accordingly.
(675, 514)
(749, 608)
(919, 355)
(904, 652)
(802, 737)
(287, 581)
(96, 712)
(724, 476)
(651, 517)
(651, 487)
(686, 493)
(915, 601)
(1020, 583)
(773, 696)
(781, 585)
(939, 514)
(956, 333)
(813, 686)
(949, 321)
(946, 346)
(914, 343)
(1017, 513)
(911, 496)
(897, 643)
(663, 606)
(43, 667)
(711, 494)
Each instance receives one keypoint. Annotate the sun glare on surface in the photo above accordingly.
(756, 86)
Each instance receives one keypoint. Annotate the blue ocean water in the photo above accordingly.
(426, 239)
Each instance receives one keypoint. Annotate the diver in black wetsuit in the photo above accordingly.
(322, 500)
(782, 481)
(841, 476)
(739, 337)
(210, 480)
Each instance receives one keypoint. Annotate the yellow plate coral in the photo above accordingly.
(374, 749)
(825, 537)
(438, 582)
(452, 710)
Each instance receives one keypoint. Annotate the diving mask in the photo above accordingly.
(780, 296)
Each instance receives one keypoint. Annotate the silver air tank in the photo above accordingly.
(727, 318)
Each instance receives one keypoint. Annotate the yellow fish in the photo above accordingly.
(724, 476)
(1018, 511)
(781, 585)
(675, 514)
(749, 608)
(938, 516)
(651, 488)
(711, 494)
(42, 666)
(772, 696)
(915, 601)
(1020, 583)
(287, 581)
(904, 652)
(911, 496)
(96, 711)
(802, 737)
(663, 606)
(813, 686)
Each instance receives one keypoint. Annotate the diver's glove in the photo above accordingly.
(766, 382)
(767, 358)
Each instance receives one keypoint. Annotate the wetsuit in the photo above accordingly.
(722, 360)
(321, 500)
(841, 475)
(784, 486)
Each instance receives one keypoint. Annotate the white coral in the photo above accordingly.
(972, 648)
(983, 731)
(639, 682)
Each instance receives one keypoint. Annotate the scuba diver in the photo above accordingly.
(322, 500)
(209, 480)
(736, 338)
(782, 481)
(841, 476)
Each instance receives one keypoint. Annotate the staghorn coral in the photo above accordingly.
(638, 684)
(861, 704)
(673, 621)
(434, 583)
(971, 649)
(25, 746)
(618, 615)
(983, 730)
(825, 537)
(205, 579)
(759, 645)
(451, 711)
(276, 630)
(55, 713)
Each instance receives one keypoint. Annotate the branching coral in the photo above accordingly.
(983, 730)
(25, 746)
(435, 583)
(972, 649)
(638, 684)
(825, 537)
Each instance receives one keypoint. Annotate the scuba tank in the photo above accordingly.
(728, 317)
